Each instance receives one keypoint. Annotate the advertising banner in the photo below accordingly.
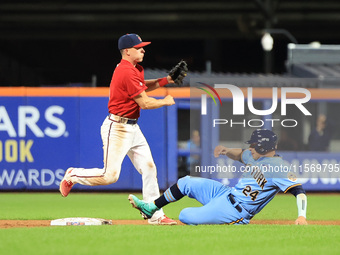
(40, 137)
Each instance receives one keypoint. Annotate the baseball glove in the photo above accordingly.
(178, 72)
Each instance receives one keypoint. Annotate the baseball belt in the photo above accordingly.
(122, 120)
(232, 201)
(239, 208)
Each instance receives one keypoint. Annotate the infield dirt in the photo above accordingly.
(46, 223)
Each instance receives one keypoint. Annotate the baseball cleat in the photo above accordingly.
(164, 220)
(146, 209)
(66, 185)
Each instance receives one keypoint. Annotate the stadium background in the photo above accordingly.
(73, 44)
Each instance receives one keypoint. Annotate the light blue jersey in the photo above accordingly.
(263, 179)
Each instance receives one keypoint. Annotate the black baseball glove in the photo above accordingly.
(178, 72)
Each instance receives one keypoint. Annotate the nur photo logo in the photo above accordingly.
(204, 97)
(244, 98)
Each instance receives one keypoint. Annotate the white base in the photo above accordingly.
(80, 222)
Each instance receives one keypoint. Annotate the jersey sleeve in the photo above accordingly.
(134, 84)
(285, 184)
(245, 156)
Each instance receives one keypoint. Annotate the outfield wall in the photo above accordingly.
(43, 131)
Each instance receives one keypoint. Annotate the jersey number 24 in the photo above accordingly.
(248, 192)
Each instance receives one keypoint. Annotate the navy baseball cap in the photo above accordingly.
(131, 41)
(265, 140)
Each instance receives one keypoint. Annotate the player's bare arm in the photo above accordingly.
(234, 154)
(146, 102)
(301, 202)
(154, 84)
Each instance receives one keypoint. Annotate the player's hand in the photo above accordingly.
(170, 80)
(301, 221)
(220, 150)
(169, 100)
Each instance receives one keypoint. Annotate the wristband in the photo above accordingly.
(301, 200)
(162, 81)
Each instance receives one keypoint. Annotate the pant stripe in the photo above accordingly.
(107, 148)
(107, 152)
(236, 221)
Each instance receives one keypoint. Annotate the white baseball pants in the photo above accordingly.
(120, 140)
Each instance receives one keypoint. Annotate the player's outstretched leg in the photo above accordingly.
(147, 209)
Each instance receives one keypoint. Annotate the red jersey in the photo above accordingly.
(127, 82)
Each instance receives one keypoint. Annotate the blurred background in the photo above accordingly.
(249, 43)
(49, 43)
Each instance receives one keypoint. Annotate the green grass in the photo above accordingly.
(319, 207)
(131, 239)
(251, 239)
(46, 206)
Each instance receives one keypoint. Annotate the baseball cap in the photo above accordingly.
(265, 140)
(131, 41)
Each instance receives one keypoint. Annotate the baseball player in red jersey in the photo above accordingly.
(120, 132)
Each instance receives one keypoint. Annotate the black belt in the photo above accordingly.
(131, 122)
(123, 120)
(232, 201)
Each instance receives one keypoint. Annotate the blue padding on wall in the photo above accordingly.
(62, 132)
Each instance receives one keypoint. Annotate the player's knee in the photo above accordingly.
(111, 178)
(149, 169)
(151, 166)
(114, 179)
(186, 217)
(184, 184)
(187, 177)
(183, 217)
(184, 180)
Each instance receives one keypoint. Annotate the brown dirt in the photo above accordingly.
(46, 223)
